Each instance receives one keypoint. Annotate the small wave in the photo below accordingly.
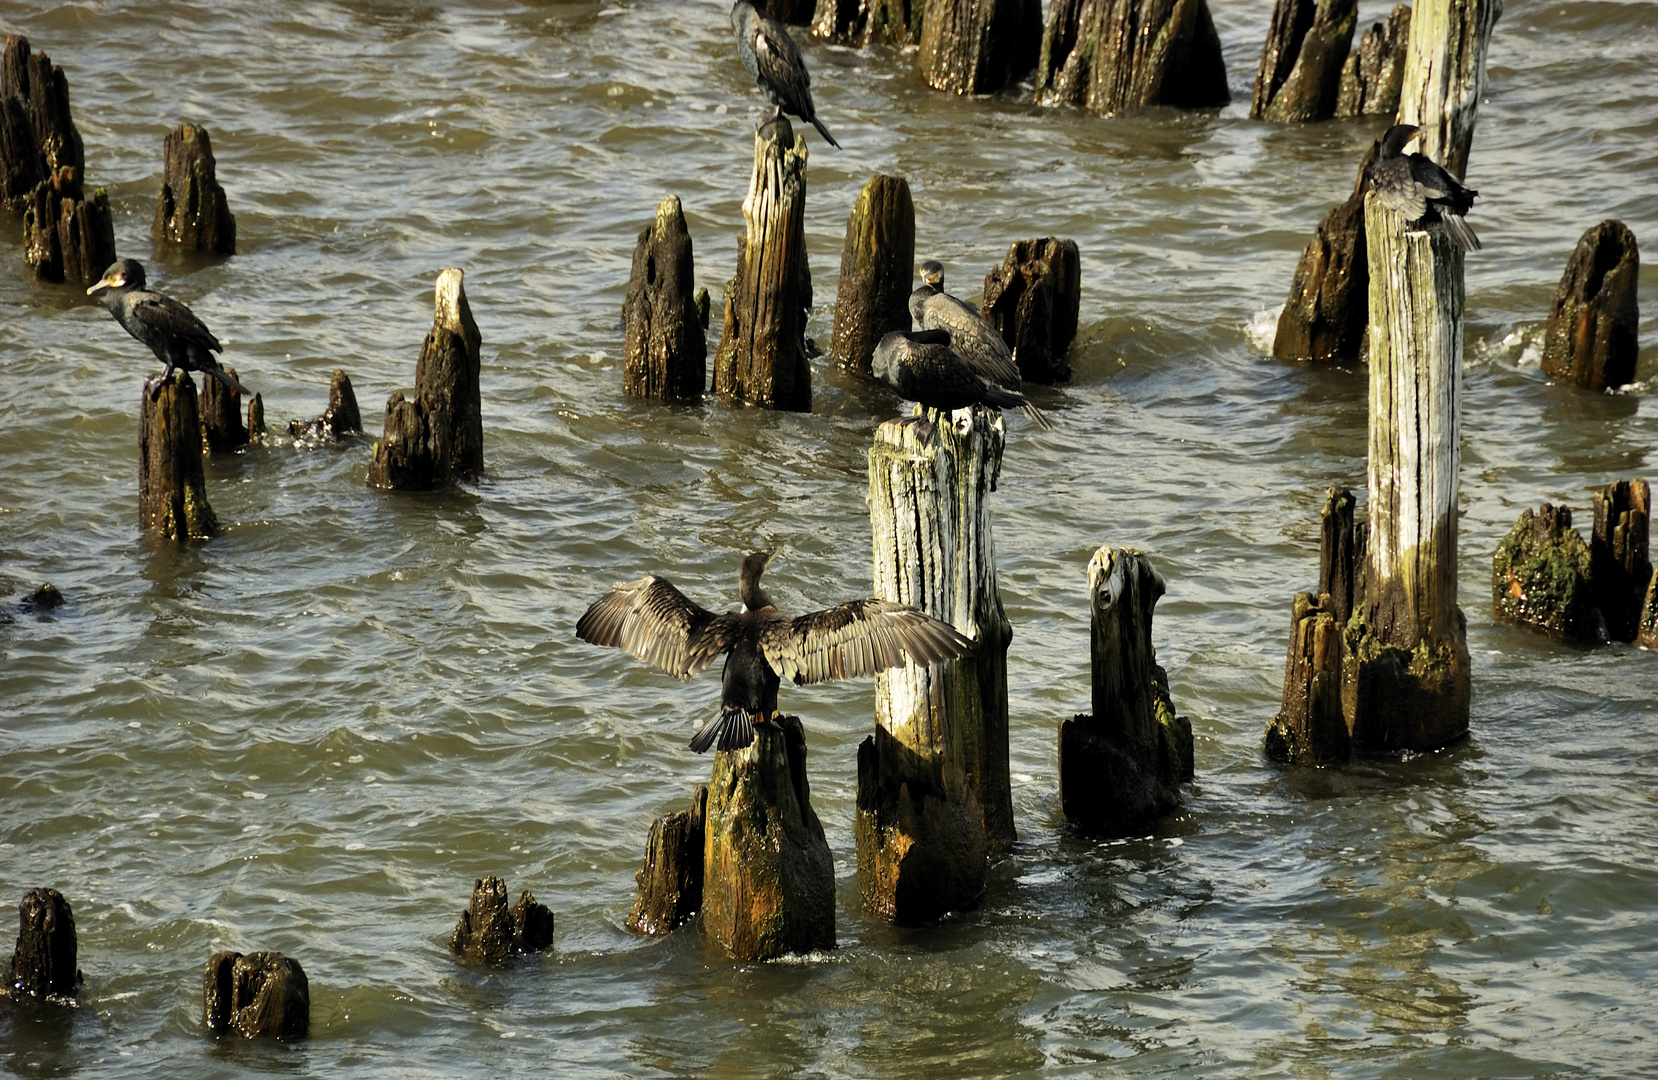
(1262, 328)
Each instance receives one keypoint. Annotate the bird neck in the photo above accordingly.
(753, 597)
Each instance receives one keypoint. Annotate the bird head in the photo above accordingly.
(126, 274)
(748, 581)
(932, 273)
(1394, 140)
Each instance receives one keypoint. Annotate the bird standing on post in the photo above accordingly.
(655, 622)
(923, 366)
(170, 329)
(770, 55)
(978, 344)
(1415, 186)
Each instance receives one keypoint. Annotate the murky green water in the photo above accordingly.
(312, 733)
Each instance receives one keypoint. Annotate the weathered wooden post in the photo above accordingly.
(1111, 55)
(1619, 561)
(259, 995)
(666, 355)
(670, 881)
(1594, 322)
(43, 961)
(489, 932)
(1329, 303)
(191, 210)
(66, 235)
(863, 23)
(172, 489)
(1445, 76)
(768, 880)
(1375, 71)
(1121, 767)
(341, 418)
(439, 434)
(1540, 577)
(1299, 77)
(221, 409)
(762, 352)
(876, 262)
(978, 46)
(934, 793)
(1034, 300)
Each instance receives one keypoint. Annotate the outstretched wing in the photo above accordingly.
(173, 318)
(659, 625)
(973, 339)
(857, 638)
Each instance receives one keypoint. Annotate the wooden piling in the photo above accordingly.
(666, 356)
(489, 932)
(221, 411)
(37, 134)
(258, 995)
(1109, 56)
(341, 418)
(1121, 767)
(934, 793)
(768, 878)
(1328, 308)
(1540, 577)
(1594, 321)
(862, 23)
(172, 489)
(1375, 71)
(791, 12)
(670, 881)
(1619, 561)
(762, 353)
(437, 435)
(1307, 44)
(43, 962)
(68, 236)
(1444, 76)
(191, 211)
(876, 263)
(1034, 300)
(978, 46)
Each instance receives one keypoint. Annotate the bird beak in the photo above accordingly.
(104, 283)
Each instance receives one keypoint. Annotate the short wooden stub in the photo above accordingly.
(1121, 767)
(341, 418)
(68, 236)
(1112, 55)
(256, 419)
(876, 263)
(1375, 71)
(666, 356)
(768, 878)
(1034, 300)
(43, 963)
(491, 933)
(862, 23)
(670, 881)
(258, 995)
(1444, 76)
(413, 451)
(1619, 558)
(438, 434)
(37, 133)
(1540, 577)
(1594, 322)
(191, 211)
(762, 354)
(221, 416)
(1328, 308)
(1299, 77)
(978, 46)
(172, 489)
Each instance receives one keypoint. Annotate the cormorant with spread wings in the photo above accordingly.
(771, 57)
(658, 624)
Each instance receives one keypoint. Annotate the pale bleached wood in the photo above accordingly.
(1445, 75)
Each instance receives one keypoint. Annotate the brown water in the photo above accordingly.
(312, 733)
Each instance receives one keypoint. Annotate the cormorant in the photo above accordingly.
(973, 339)
(657, 624)
(922, 366)
(170, 329)
(770, 55)
(1414, 186)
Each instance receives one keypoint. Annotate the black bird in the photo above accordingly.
(657, 624)
(922, 366)
(1414, 186)
(770, 55)
(973, 339)
(170, 329)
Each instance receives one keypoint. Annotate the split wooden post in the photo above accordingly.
(762, 352)
(191, 211)
(439, 434)
(1299, 77)
(221, 416)
(1121, 767)
(862, 23)
(1594, 321)
(1619, 561)
(666, 357)
(489, 932)
(1375, 71)
(978, 46)
(259, 995)
(768, 878)
(1034, 300)
(877, 261)
(172, 488)
(43, 963)
(934, 792)
(670, 881)
(1445, 76)
(1112, 55)
(1328, 308)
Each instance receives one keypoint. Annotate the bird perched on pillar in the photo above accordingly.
(978, 344)
(923, 366)
(171, 330)
(770, 55)
(658, 624)
(1414, 186)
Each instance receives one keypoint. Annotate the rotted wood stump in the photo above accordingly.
(1109, 56)
(666, 350)
(1619, 556)
(172, 489)
(670, 881)
(259, 995)
(1033, 300)
(37, 133)
(762, 354)
(791, 12)
(1375, 71)
(1299, 77)
(978, 46)
(1328, 308)
(1444, 76)
(191, 211)
(1594, 321)
(341, 418)
(43, 961)
(489, 932)
(768, 878)
(1540, 577)
(256, 419)
(66, 235)
(862, 23)
(1647, 636)
(934, 792)
(221, 416)
(876, 262)
(439, 434)
(1121, 767)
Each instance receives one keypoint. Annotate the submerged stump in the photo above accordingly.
(768, 878)
(341, 418)
(978, 46)
(1594, 322)
(438, 435)
(1375, 71)
(1034, 300)
(68, 236)
(191, 211)
(762, 353)
(1299, 77)
(666, 356)
(862, 23)
(258, 995)
(37, 133)
(670, 881)
(1444, 76)
(43, 961)
(221, 416)
(1619, 556)
(1540, 577)
(172, 488)
(489, 932)
(1109, 56)
(1121, 767)
(876, 260)
(1328, 308)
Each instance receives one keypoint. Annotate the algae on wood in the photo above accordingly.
(1299, 77)
(1619, 557)
(863, 23)
(877, 261)
(978, 46)
(666, 355)
(221, 409)
(1540, 577)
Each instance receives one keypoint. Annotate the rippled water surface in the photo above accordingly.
(313, 732)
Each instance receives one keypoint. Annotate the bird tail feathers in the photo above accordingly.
(821, 130)
(1007, 399)
(731, 730)
(1460, 232)
(231, 381)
